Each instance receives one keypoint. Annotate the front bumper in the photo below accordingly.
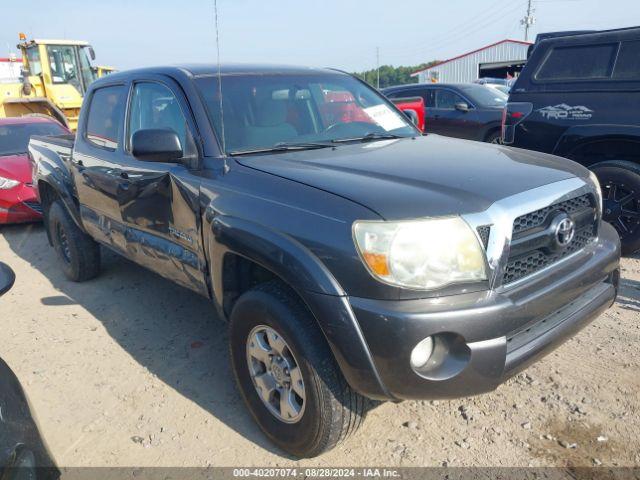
(486, 337)
(19, 205)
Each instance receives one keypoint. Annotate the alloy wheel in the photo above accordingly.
(621, 207)
(275, 374)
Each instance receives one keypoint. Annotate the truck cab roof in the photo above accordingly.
(575, 61)
(211, 69)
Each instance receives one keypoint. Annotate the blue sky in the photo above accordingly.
(336, 33)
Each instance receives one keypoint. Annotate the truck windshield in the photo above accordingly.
(14, 139)
(272, 111)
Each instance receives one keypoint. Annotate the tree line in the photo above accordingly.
(390, 75)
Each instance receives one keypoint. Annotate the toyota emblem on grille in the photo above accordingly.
(565, 231)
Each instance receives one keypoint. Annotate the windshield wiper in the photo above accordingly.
(369, 137)
(284, 147)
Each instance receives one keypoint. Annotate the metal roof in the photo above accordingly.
(470, 53)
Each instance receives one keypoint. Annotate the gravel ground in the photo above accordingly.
(131, 370)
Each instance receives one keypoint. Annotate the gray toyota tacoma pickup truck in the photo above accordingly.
(355, 259)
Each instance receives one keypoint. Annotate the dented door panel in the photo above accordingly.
(160, 211)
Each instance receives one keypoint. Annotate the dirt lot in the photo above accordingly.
(129, 369)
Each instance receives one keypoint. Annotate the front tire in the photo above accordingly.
(620, 183)
(298, 395)
(79, 254)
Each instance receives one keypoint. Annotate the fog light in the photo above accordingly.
(422, 352)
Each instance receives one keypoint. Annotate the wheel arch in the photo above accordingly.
(51, 188)
(243, 254)
(490, 130)
(592, 144)
(615, 206)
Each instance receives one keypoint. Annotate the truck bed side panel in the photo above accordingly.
(52, 156)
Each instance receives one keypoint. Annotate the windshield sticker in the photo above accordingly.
(566, 112)
(385, 117)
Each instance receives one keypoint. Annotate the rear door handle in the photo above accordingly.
(124, 175)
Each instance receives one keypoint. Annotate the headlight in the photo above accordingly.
(7, 183)
(596, 184)
(421, 254)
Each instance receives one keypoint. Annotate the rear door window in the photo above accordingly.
(105, 116)
(404, 94)
(427, 94)
(582, 62)
(446, 99)
(429, 97)
(628, 62)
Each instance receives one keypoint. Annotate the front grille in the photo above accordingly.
(527, 264)
(533, 245)
(537, 218)
(34, 206)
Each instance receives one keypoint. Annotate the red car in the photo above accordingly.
(18, 199)
(416, 104)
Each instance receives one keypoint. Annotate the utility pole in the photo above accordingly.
(528, 20)
(378, 66)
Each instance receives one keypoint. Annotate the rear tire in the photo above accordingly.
(79, 254)
(620, 183)
(494, 137)
(327, 409)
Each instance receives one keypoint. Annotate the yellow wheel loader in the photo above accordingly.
(55, 76)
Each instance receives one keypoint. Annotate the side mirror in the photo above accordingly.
(412, 115)
(462, 107)
(7, 277)
(156, 145)
(92, 52)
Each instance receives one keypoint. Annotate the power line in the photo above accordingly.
(484, 19)
(478, 27)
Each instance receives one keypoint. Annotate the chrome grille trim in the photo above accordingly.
(503, 213)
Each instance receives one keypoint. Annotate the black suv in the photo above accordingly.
(466, 111)
(579, 97)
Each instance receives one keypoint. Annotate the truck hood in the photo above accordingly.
(426, 176)
(16, 167)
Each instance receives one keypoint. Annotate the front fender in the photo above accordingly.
(577, 136)
(283, 255)
(303, 272)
